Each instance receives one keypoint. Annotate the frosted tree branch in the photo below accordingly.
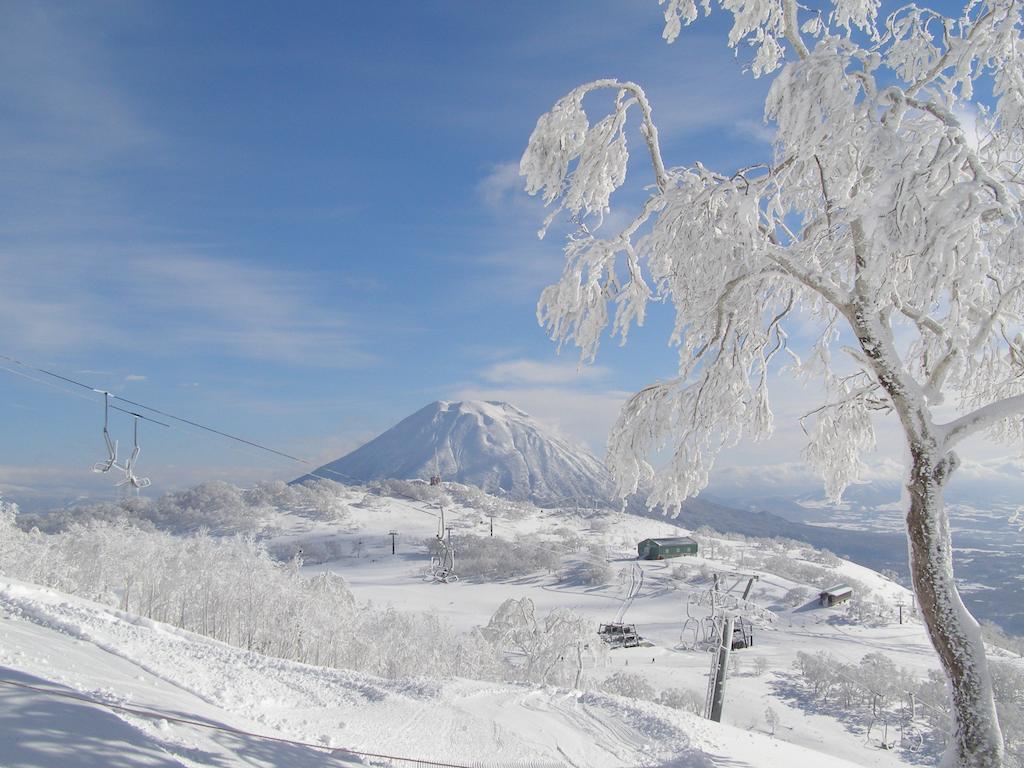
(982, 419)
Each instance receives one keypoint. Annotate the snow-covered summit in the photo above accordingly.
(489, 444)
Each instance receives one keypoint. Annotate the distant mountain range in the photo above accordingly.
(492, 445)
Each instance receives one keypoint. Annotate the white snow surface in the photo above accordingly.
(59, 641)
(52, 640)
(491, 445)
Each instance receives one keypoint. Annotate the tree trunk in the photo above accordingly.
(977, 741)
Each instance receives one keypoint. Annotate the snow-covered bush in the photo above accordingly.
(798, 596)
(682, 572)
(487, 504)
(488, 558)
(876, 685)
(595, 570)
(568, 539)
(311, 551)
(216, 506)
(869, 609)
(682, 698)
(800, 571)
(546, 651)
(397, 644)
(820, 556)
(413, 489)
(771, 719)
(735, 665)
(995, 635)
(628, 684)
(818, 672)
(1008, 686)
(227, 588)
(317, 498)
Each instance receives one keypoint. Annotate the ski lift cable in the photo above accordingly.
(73, 393)
(58, 387)
(140, 416)
(317, 472)
(151, 409)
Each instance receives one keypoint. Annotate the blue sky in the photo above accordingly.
(302, 223)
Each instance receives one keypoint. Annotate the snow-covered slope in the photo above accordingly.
(491, 445)
(65, 645)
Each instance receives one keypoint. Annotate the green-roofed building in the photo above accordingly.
(660, 549)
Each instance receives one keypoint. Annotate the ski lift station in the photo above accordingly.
(835, 595)
(660, 549)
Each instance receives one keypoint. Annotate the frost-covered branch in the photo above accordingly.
(982, 419)
(792, 27)
(583, 165)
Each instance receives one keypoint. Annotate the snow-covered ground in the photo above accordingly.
(63, 643)
(659, 612)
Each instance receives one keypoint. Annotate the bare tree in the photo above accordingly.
(889, 214)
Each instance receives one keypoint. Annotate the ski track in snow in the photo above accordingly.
(416, 718)
(462, 721)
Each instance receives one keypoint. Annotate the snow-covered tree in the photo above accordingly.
(888, 216)
(548, 650)
(627, 684)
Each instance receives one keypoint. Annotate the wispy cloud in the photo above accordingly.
(568, 399)
(66, 124)
(79, 269)
(536, 372)
(184, 302)
(502, 185)
(247, 310)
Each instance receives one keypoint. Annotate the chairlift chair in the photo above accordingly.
(130, 477)
(619, 635)
(111, 462)
(742, 634)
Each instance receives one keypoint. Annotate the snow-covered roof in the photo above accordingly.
(838, 590)
(671, 541)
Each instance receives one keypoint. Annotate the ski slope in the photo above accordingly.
(659, 612)
(65, 644)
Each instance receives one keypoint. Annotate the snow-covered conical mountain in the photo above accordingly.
(491, 445)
